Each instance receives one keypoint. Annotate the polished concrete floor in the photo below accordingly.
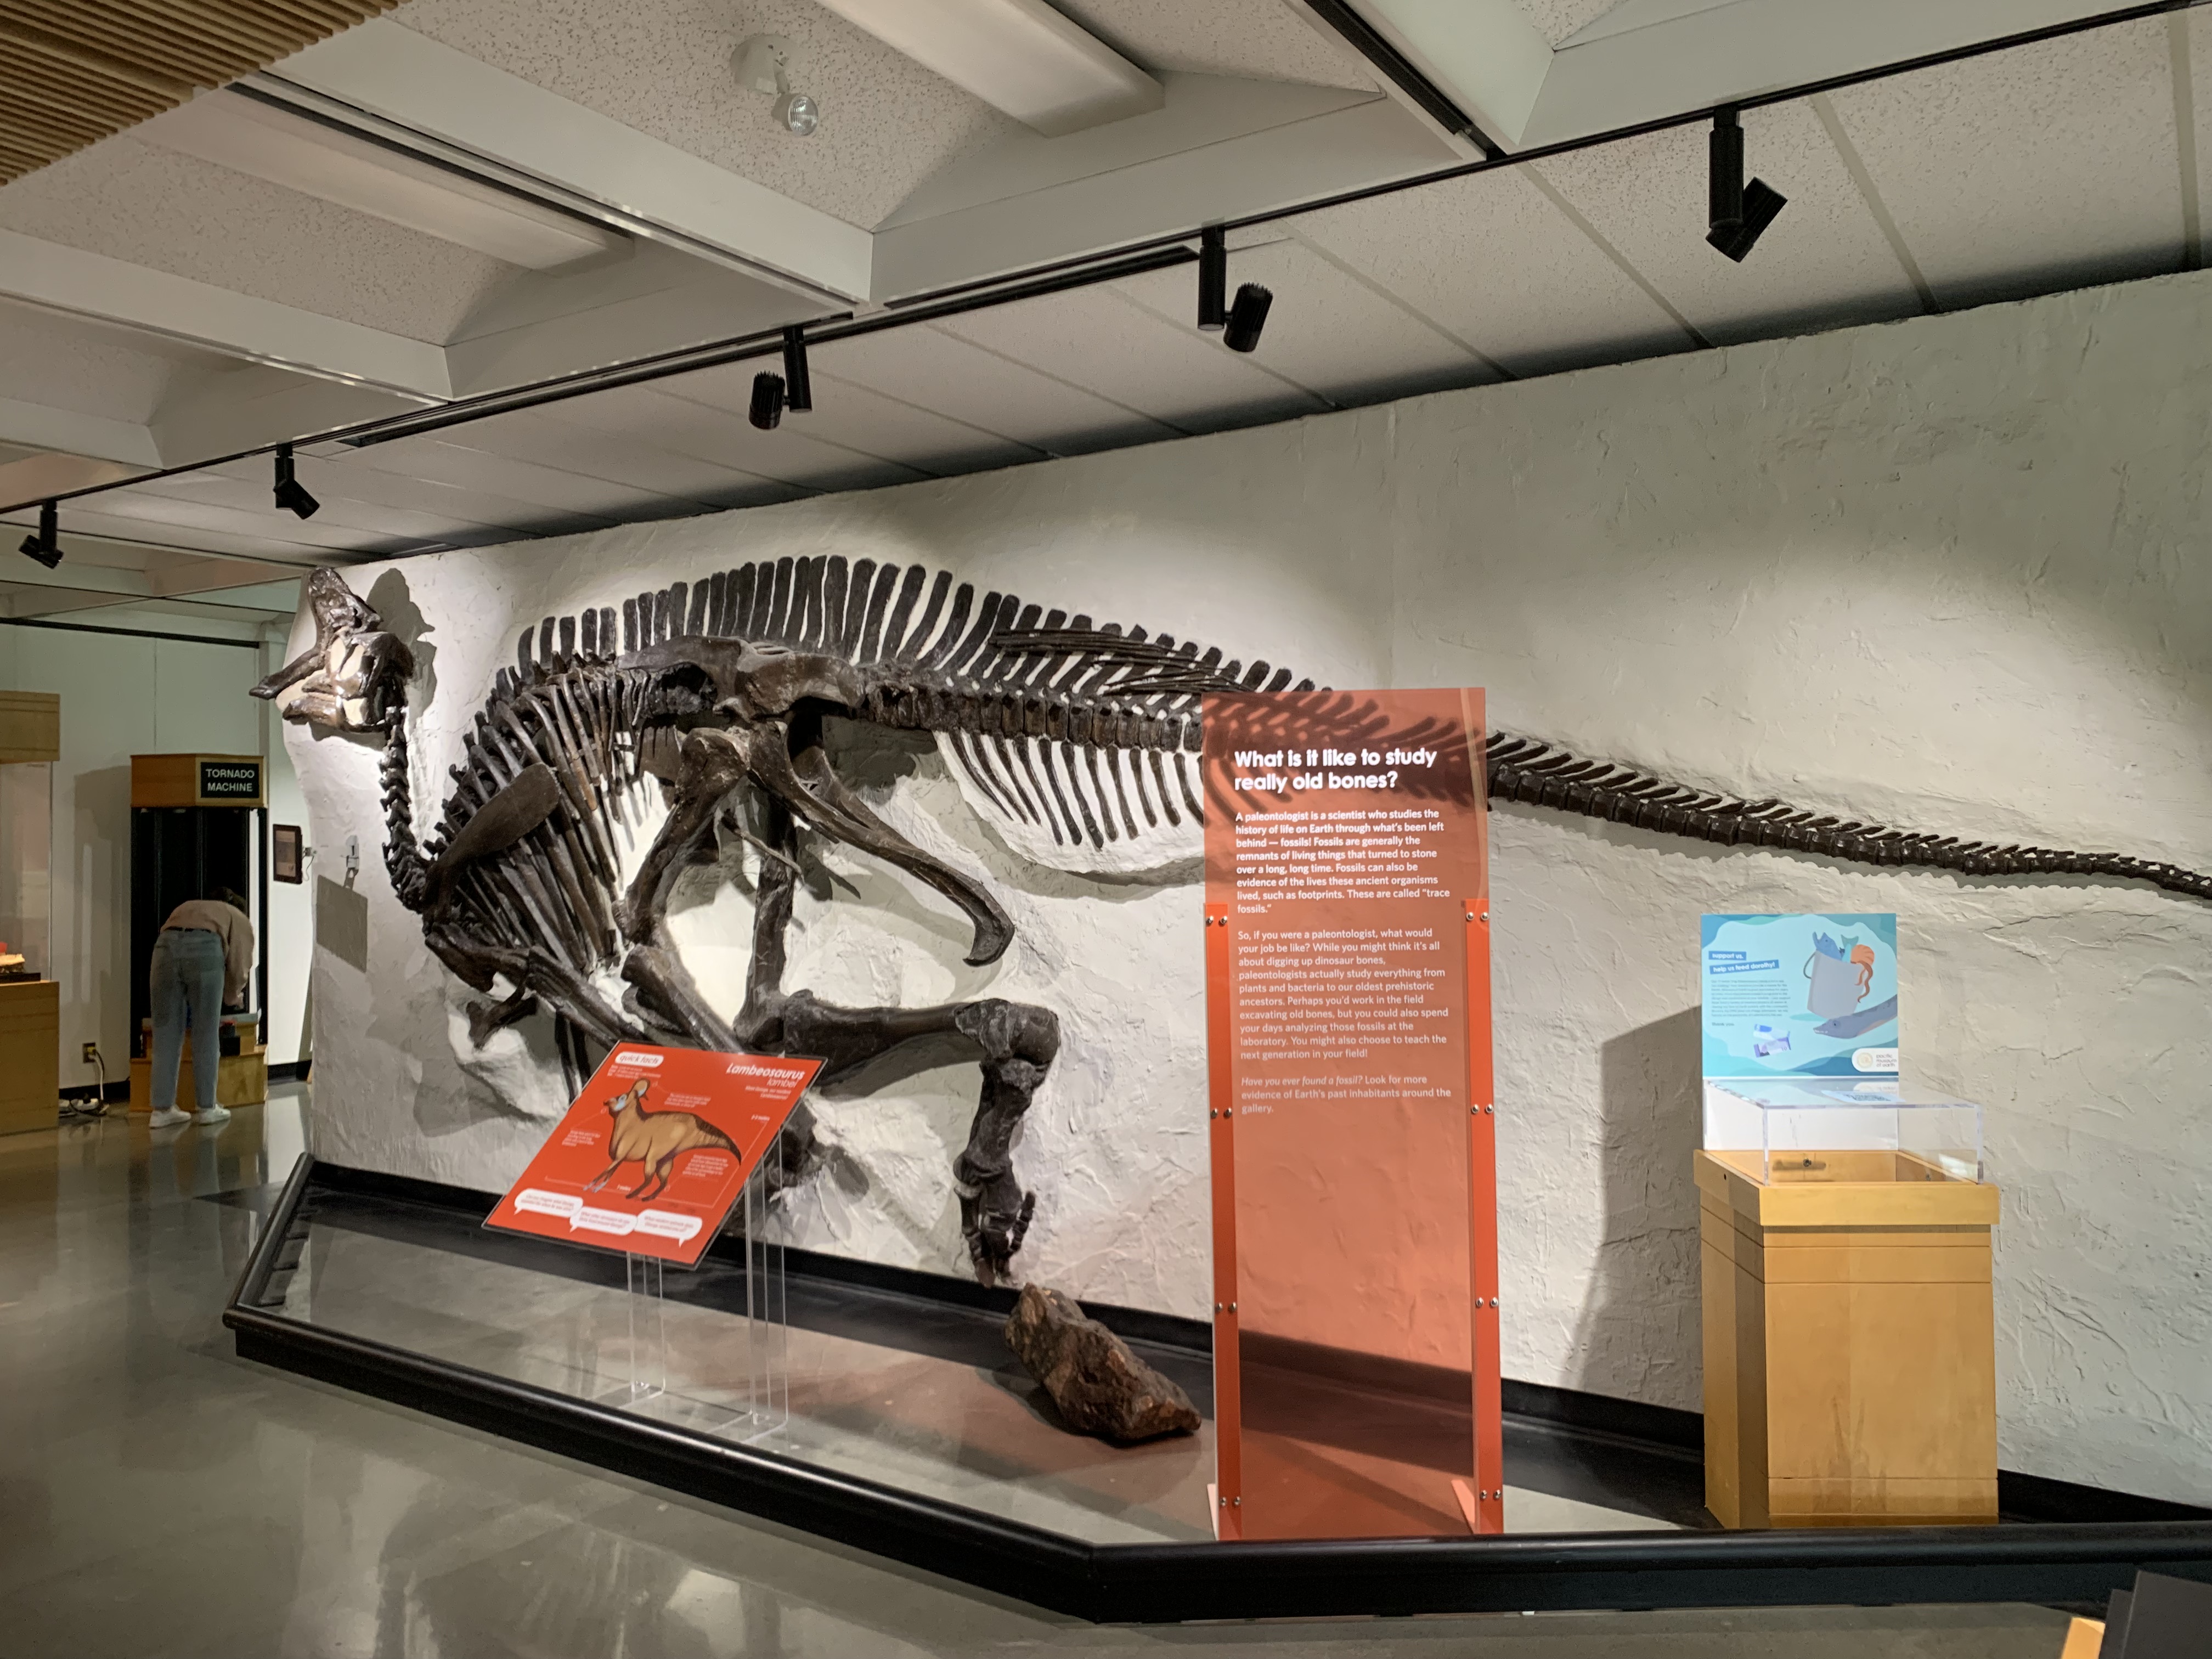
(159, 1496)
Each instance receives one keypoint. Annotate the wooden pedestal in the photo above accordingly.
(240, 1079)
(30, 1054)
(1850, 1343)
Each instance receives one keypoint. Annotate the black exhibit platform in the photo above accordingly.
(2062, 1543)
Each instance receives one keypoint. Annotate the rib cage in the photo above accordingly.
(1088, 733)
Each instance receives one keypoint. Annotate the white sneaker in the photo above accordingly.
(167, 1118)
(208, 1116)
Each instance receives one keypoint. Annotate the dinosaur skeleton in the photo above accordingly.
(1054, 727)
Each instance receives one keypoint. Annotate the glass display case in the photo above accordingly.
(1836, 1130)
(26, 815)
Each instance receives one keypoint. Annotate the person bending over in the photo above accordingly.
(202, 958)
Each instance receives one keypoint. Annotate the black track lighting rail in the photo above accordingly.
(1363, 38)
(1134, 258)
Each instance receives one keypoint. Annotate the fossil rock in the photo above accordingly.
(1100, 1387)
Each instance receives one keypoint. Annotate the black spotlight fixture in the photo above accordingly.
(766, 411)
(1213, 277)
(1738, 213)
(798, 384)
(45, 547)
(1246, 317)
(291, 494)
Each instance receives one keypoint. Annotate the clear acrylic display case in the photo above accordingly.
(26, 817)
(1824, 1129)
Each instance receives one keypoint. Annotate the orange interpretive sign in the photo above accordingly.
(651, 1156)
(1357, 1382)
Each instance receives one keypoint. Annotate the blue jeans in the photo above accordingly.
(187, 982)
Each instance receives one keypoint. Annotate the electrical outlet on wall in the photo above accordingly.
(91, 1053)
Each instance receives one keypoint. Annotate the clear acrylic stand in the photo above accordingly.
(740, 1391)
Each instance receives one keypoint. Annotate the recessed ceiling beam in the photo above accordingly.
(1484, 55)
(85, 284)
(289, 147)
(390, 71)
(67, 433)
(1020, 57)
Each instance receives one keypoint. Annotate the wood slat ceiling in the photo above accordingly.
(73, 72)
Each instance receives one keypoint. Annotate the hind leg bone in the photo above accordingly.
(1014, 1043)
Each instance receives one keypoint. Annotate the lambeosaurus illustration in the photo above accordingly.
(719, 689)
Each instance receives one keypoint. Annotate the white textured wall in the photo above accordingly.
(1952, 572)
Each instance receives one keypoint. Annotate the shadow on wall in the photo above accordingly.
(1637, 1337)
(391, 600)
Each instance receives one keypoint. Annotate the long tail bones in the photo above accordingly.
(1079, 740)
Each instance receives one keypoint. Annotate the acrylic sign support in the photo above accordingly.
(745, 1400)
(1221, 1146)
(1489, 1514)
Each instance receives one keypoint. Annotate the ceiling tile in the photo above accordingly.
(926, 366)
(1493, 260)
(1098, 339)
(348, 477)
(156, 518)
(243, 488)
(1326, 330)
(843, 442)
(451, 458)
(1823, 262)
(617, 436)
(2043, 168)
(92, 516)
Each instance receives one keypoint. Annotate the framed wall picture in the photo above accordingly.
(287, 853)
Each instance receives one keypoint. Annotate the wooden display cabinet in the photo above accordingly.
(30, 1054)
(1849, 1341)
(30, 1006)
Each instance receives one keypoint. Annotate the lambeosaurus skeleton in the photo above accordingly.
(720, 690)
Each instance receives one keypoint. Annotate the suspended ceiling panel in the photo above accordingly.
(1493, 261)
(663, 67)
(1159, 366)
(2032, 170)
(1332, 332)
(463, 459)
(636, 437)
(868, 429)
(930, 368)
(71, 75)
(713, 443)
(1824, 262)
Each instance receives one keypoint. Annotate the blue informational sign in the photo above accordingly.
(1799, 996)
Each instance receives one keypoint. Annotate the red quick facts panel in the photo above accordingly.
(654, 1153)
(1349, 1032)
